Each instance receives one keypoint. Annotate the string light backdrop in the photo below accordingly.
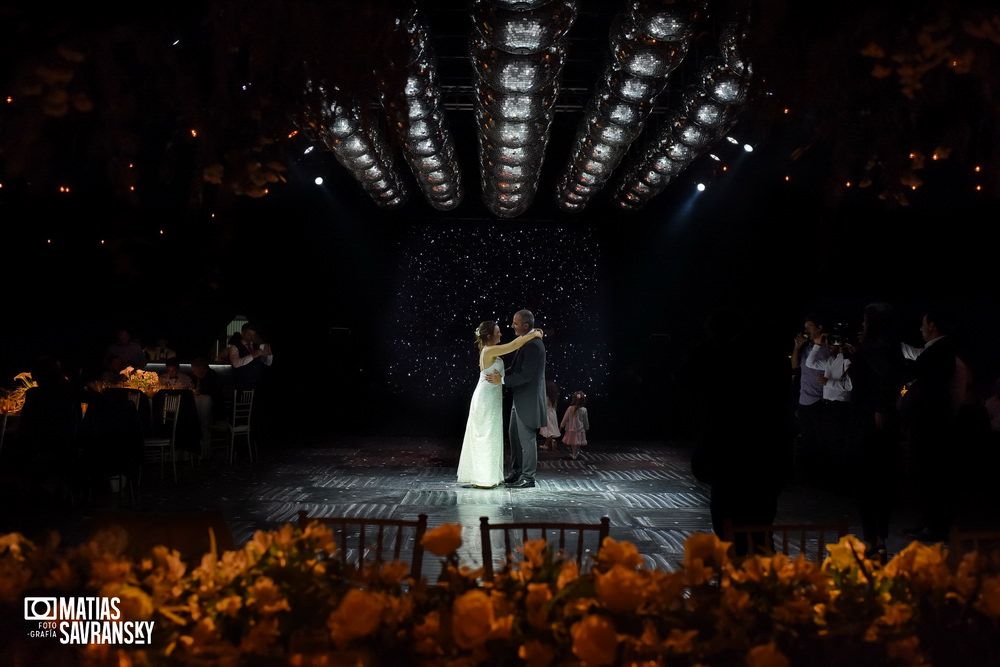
(453, 278)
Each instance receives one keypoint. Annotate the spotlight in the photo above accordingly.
(318, 180)
(732, 141)
(700, 187)
(308, 150)
(715, 157)
(748, 148)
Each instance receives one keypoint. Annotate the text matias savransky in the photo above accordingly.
(84, 620)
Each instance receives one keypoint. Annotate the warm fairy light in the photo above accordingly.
(979, 188)
(934, 157)
(161, 232)
(194, 133)
(10, 99)
(977, 169)
(725, 167)
(787, 178)
(49, 241)
(213, 215)
(294, 132)
(131, 165)
(63, 188)
(787, 110)
(131, 188)
(913, 156)
(847, 184)
(102, 241)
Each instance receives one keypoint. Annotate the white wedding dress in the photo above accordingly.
(481, 462)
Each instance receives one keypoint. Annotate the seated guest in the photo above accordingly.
(160, 351)
(49, 421)
(207, 382)
(129, 350)
(172, 378)
(113, 371)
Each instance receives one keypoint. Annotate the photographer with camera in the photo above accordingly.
(836, 448)
(809, 409)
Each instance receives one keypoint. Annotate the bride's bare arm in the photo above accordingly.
(492, 352)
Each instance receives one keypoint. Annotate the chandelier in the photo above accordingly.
(517, 51)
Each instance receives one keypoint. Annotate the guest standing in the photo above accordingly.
(876, 378)
(576, 423)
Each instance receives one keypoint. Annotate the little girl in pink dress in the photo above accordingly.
(575, 423)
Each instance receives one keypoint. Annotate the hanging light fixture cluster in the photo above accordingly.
(707, 112)
(648, 42)
(362, 149)
(518, 51)
(421, 124)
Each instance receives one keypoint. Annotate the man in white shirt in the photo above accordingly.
(835, 442)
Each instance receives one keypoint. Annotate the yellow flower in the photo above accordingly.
(359, 614)
(568, 573)
(393, 572)
(618, 553)
(536, 654)
(534, 551)
(266, 597)
(924, 565)
(473, 619)
(229, 606)
(705, 549)
(620, 588)
(443, 540)
(842, 554)
(595, 641)
(536, 604)
(766, 655)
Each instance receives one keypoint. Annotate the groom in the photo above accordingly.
(526, 380)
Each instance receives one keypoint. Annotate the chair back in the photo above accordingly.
(168, 415)
(135, 396)
(362, 542)
(242, 406)
(570, 540)
(809, 540)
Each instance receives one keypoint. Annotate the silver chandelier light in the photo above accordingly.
(518, 50)
(362, 149)
(648, 41)
(420, 122)
(706, 114)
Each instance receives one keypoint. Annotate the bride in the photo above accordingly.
(481, 462)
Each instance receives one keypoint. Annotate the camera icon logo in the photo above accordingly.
(40, 609)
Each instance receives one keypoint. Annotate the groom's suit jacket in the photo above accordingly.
(526, 380)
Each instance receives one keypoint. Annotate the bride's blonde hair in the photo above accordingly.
(484, 332)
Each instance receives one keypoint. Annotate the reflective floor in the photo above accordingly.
(645, 488)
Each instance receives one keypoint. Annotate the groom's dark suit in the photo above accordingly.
(526, 380)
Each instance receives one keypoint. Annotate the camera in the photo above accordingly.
(840, 334)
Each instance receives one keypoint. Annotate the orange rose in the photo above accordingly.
(618, 553)
(705, 549)
(595, 641)
(359, 614)
(536, 604)
(472, 618)
(443, 540)
(620, 588)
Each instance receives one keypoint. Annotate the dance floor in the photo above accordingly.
(645, 488)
